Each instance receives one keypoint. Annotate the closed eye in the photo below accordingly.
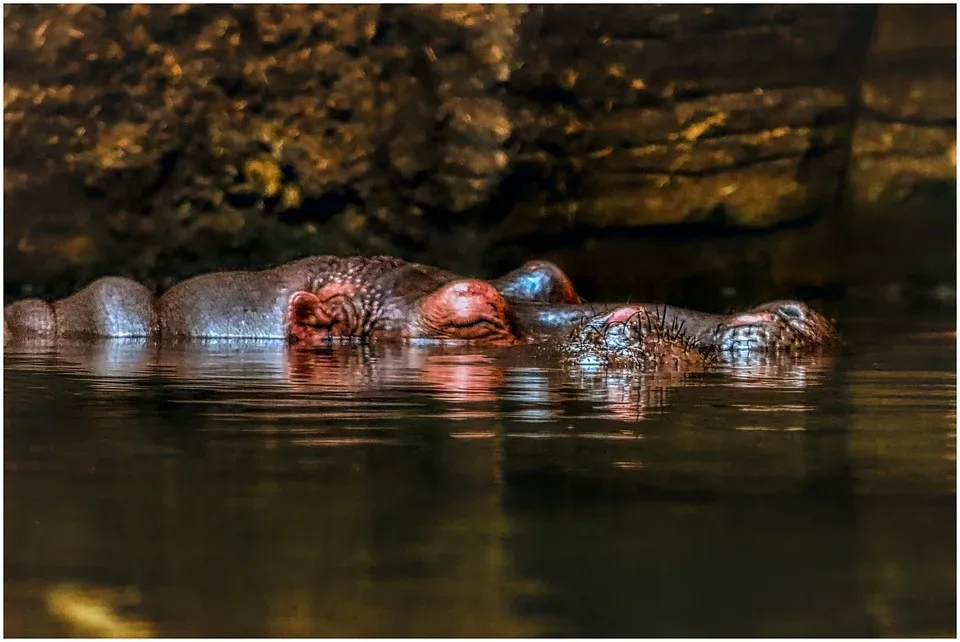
(478, 321)
(477, 329)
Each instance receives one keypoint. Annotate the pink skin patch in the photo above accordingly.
(467, 309)
(622, 315)
(751, 319)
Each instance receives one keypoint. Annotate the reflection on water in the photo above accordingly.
(247, 489)
(94, 611)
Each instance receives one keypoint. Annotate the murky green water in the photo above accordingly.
(244, 489)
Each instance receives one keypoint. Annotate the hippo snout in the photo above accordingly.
(778, 326)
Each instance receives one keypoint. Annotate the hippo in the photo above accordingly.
(316, 300)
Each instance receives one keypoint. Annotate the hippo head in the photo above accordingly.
(778, 326)
(634, 338)
(639, 336)
(465, 309)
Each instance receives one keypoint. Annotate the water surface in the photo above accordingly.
(246, 489)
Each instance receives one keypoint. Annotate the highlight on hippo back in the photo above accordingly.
(320, 299)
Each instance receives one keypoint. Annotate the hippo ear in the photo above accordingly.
(467, 309)
(537, 282)
(303, 313)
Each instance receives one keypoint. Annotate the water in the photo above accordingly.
(242, 489)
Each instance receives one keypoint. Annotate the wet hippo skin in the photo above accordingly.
(316, 299)
(108, 307)
(361, 296)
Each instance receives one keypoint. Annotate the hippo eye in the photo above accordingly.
(791, 311)
(479, 323)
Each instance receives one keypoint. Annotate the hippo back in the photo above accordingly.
(226, 305)
(108, 307)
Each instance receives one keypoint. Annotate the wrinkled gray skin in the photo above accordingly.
(541, 306)
(240, 304)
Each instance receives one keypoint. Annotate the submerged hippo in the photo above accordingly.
(318, 299)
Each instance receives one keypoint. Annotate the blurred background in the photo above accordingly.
(705, 155)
